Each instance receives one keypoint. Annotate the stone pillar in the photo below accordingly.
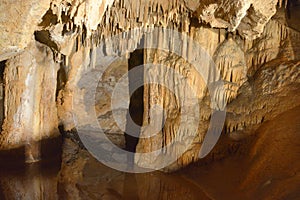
(30, 101)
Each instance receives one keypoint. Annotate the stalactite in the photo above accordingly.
(86, 26)
(282, 3)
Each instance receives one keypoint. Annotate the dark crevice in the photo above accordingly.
(44, 37)
(83, 34)
(136, 106)
(61, 80)
(292, 18)
(49, 19)
(292, 8)
(2, 89)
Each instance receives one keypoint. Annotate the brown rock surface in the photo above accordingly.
(265, 166)
(18, 21)
(254, 44)
(30, 104)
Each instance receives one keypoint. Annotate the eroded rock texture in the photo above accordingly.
(30, 103)
(54, 49)
(19, 20)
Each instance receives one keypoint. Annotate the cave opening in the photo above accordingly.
(136, 104)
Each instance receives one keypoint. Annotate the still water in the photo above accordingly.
(79, 176)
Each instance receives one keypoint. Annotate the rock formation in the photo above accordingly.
(48, 47)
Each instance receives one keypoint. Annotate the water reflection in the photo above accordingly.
(80, 176)
(34, 181)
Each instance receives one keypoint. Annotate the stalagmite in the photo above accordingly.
(250, 42)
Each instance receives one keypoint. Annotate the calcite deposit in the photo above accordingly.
(61, 68)
(30, 100)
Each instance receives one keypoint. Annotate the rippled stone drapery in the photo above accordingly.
(72, 29)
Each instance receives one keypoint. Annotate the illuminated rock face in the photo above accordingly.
(247, 16)
(48, 46)
(18, 21)
(251, 92)
(30, 104)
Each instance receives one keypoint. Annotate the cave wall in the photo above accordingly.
(250, 42)
(254, 88)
